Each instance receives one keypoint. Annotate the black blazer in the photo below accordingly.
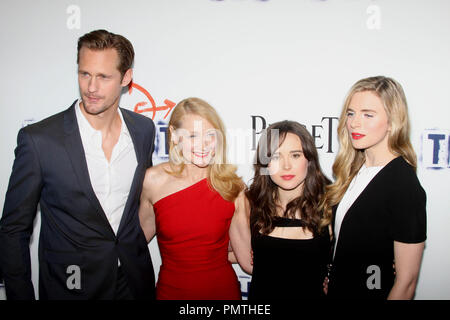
(391, 208)
(50, 169)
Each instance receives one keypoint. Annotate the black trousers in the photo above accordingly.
(123, 291)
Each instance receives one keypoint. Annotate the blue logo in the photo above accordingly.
(245, 284)
(161, 152)
(436, 148)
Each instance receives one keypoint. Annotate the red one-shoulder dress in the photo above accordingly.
(192, 232)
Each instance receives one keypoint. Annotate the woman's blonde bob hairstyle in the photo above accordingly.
(222, 176)
(349, 160)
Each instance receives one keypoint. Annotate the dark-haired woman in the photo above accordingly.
(290, 238)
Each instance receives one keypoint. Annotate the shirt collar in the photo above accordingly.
(86, 128)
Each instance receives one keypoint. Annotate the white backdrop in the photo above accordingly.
(252, 60)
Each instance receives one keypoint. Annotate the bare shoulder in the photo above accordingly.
(156, 176)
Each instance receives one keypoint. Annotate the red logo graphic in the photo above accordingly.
(168, 105)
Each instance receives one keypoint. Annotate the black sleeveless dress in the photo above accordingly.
(289, 268)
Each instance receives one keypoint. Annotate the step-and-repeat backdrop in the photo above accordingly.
(256, 62)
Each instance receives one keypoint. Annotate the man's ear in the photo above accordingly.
(127, 77)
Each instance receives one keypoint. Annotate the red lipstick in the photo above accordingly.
(357, 136)
(288, 177)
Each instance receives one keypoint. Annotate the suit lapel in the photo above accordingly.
(138, 142)
(361, 198)
(77, 158)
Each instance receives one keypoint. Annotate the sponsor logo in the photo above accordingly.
(324, 133)
(244, 280)
(435, 149)
(142, 106)
(144, 103)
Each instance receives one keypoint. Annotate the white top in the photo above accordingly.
(111, 180)
(358, 184)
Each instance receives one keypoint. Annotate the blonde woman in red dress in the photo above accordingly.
(195, 205)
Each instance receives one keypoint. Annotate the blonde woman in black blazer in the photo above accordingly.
(376, 204)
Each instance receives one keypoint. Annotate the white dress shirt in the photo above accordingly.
(111, 180)
(358, 184)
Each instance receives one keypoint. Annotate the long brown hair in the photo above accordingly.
(349, 160)
(263, 192)
(222, 176)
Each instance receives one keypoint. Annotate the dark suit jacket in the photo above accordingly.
(391, 208)
(77, 244)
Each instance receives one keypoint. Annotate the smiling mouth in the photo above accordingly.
(357, 136)
(288, 177)
(201, 154)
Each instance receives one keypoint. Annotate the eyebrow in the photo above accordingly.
(99, 74)
(292, 151)
(201, 131)
(363, 110)
(104, 75)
